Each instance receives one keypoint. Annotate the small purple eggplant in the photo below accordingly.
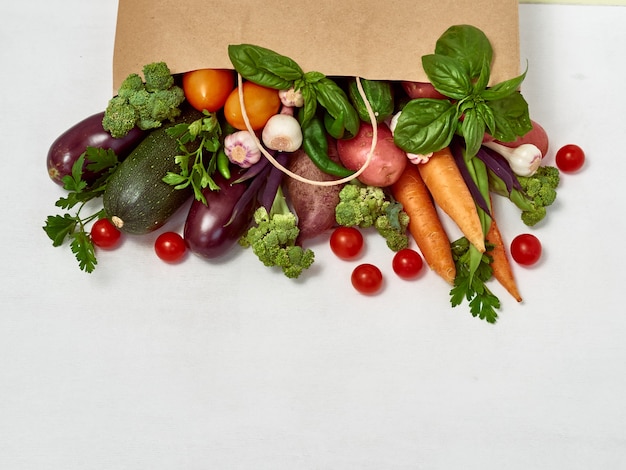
(209, 231)
(89, 132)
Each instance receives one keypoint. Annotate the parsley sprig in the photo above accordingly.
(193, 170)
(73, 226)
(470, 281)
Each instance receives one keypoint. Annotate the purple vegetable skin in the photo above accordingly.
(206, 233)
(89, 132)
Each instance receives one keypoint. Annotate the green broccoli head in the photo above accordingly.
(155, 108)
(393, 225)
(293, 260)
(151, 102)
(157, 76)
(131, 85)
(533, 217)
(164, 105)
(360, 205)
(273, 241)
(541, 186)
(119, 117)
(370, 206)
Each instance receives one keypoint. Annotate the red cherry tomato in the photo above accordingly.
(104, 234)
(367, 279)
(526, 249)
(407, 263)
(570, 158)
(346, 242)
(170, 247)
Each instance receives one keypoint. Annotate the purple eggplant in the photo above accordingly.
(209, 231)
(89, 132)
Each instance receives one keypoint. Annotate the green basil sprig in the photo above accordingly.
(268, 68)
(460, 69)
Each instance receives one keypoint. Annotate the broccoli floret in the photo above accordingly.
(359, 205)
(119, 117)
(393, 226)
(533, 216)
(157, 76)
(541, 187)
(163, 105)
(150, 103)
(273, 239)
(131, 85)
(366, 206)
(533, 195)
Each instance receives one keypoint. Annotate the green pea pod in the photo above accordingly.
(315, 145)
(380, 96)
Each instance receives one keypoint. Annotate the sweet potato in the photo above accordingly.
(314, 205)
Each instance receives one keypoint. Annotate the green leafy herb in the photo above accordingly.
(72, 227)
(473, 271)
(193, 170)
(460, 70)
(268, 68)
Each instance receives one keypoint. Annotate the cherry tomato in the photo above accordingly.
(104, 234)
(170, 247)
(526, 249)
(407, 263)
(261, 104)
(346, 242)
(570, 158)
(367, 278)
(208, 88)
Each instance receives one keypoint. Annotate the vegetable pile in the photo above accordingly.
(271, 156)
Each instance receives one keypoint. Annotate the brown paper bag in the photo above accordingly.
(368, 39)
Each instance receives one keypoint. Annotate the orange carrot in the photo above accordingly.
(447, 187)
(424, 224)
(500, 264)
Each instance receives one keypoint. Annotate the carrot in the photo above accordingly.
(447, 187)
(424, 223)
(500, 264)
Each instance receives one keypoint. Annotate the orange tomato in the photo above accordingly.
(261, 103)
(208, 88)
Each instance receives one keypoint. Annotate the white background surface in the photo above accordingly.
(142, 365)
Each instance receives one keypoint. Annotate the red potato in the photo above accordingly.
(421, 90)
(536, 136)
(387, 162)
(314, 205)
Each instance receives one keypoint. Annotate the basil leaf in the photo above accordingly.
(486, 115)
(467, 44)
(483, 78)
(283, 67)
(503, 89)
(511, 117)
(332, 97)
(309, 109)
(448, 75)
(312, 77)
(473, 131)
(263, 66)
(426, 125)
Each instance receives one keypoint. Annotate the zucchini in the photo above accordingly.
(136, 198)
